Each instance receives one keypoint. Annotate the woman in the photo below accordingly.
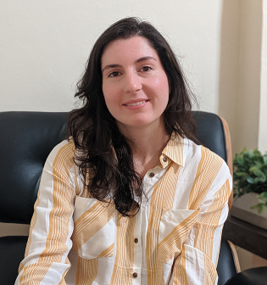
(129, 198)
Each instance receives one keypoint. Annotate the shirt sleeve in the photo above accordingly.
(199, 256)
(49, 242)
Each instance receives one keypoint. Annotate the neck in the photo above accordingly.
(147, 144)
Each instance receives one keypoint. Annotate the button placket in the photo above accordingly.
(136, 277)
(138, 253)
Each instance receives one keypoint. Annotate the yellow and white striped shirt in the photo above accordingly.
(174, 238)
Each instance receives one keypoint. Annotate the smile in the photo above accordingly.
(135, 104)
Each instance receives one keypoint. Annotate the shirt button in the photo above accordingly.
(165, 159)
(136, 240)
(135, 275)
(151, 174)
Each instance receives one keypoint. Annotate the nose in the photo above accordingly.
(132, 82)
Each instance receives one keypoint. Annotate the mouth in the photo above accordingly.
(135, 103)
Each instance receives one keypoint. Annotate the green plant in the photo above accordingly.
(250, 175)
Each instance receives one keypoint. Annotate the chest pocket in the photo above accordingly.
(94, 228)
(175, 226)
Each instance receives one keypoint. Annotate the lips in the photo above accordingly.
(135, 102)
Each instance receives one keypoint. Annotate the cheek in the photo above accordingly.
(161, 88)
(165, 92)
(162, 83)
(110, 89)
(107, 92)
(111, 97)
(165, 84)
(104, 89)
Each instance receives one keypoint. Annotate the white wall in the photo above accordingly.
(45, 44)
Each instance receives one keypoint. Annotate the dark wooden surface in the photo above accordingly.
(245, 235)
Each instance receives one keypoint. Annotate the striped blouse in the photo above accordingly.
(174, 238)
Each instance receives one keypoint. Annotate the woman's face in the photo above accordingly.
(135, 85)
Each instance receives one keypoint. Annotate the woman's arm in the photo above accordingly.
(51, 227)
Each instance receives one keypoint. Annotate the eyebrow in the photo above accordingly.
(136, 61)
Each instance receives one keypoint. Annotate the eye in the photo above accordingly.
(114, 74)
(146, 68)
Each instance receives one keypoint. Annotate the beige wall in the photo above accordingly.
(229, 64)
(262, 143)
(240, 70)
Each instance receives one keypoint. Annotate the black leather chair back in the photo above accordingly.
(210, 132)
(25, 142)
(28, 137)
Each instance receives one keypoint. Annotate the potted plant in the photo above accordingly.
(250, 187)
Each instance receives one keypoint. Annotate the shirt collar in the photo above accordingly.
(174, 150)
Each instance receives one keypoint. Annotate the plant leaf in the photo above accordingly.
(260, 179)
(256, 171)
(250, 175)
(263, 195)
(250, 153)
(239, 160)
(250, 180)
(240, 174)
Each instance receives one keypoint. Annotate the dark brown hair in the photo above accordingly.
(95, 132)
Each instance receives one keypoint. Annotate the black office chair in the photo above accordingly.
(25, 142)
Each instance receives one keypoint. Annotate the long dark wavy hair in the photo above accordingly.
(103, 153)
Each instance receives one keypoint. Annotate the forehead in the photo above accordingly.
(131, 48)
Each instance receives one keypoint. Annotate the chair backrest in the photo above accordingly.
(28, 137)
(210, 132)
(26, 140)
